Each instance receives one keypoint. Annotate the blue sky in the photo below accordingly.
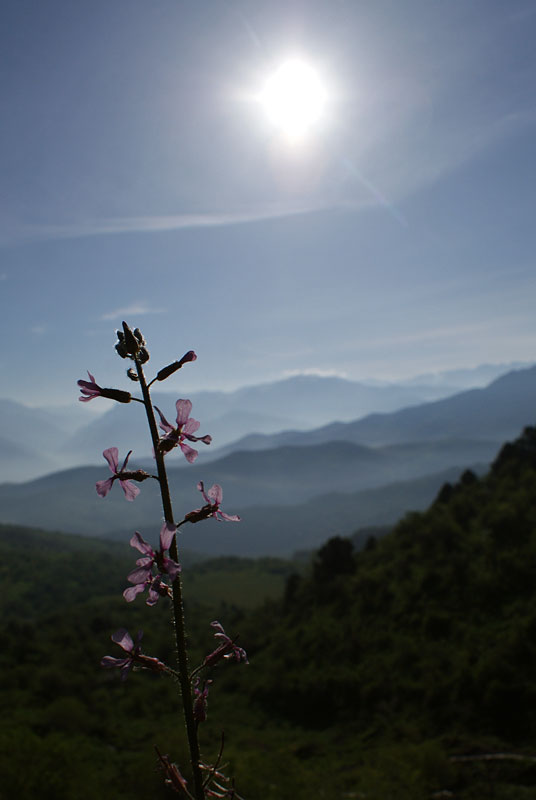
(141, 180)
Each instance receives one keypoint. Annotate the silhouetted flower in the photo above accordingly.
(172, 775)
(226, 649)
(133, 655)
(142, 577)
(200, 701)
(90, 389)
(125, 477)
(217, 784)
(213, 497)
(186, 427)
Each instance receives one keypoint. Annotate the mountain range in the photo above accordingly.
(36, 441)
(294, 488)
(493, 413)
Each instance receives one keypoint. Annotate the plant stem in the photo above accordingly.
(178, 608)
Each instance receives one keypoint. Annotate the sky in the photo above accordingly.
(143, 180)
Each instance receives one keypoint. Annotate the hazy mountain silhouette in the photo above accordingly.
(495, 413)
(287, 476)
(46, 439)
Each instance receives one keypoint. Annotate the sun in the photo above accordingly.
(294, 99)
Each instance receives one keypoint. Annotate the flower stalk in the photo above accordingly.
(177, 600)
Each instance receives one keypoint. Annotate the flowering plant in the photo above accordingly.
(159, 571)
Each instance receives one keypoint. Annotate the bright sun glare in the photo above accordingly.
(294, 99)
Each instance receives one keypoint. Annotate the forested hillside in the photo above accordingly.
(403, 670)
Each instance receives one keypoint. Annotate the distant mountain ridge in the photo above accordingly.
(47, 439)
(281, 491)
(284, 478)
(67, 503)
(494, 413)
(302, 402)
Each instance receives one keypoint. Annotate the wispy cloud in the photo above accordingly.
(315, 372)
(154, 224)
(39, 330)
(128, 311)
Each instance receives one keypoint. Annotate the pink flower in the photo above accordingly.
(213, 498)
(142, 577)
(186, 427)
(133, 655)
(90, 390)
(125, 477)
(226, 649)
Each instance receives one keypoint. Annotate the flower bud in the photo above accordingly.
(143, 355)
(171, 368)
(131, 342)
(116, 394)
(120, 346)
(139, 336)
(131, 373)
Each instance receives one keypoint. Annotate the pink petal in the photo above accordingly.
(140, 544)
(132, 592)
(164, 424)
(140, 574)
(112, 457)
(167, 533)
(189, 452)
(215, 494)
(125, 462)
(130, 489)
(109, 661)
(123, 638)
(143, 562)
(189, 356)
(190, 426)
(103, 487)
(171, 568)
(228, 517)
(201, 487)
(184, 408)
(153, 595)
(219, 627)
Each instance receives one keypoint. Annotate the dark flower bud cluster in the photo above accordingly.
(131, 344)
